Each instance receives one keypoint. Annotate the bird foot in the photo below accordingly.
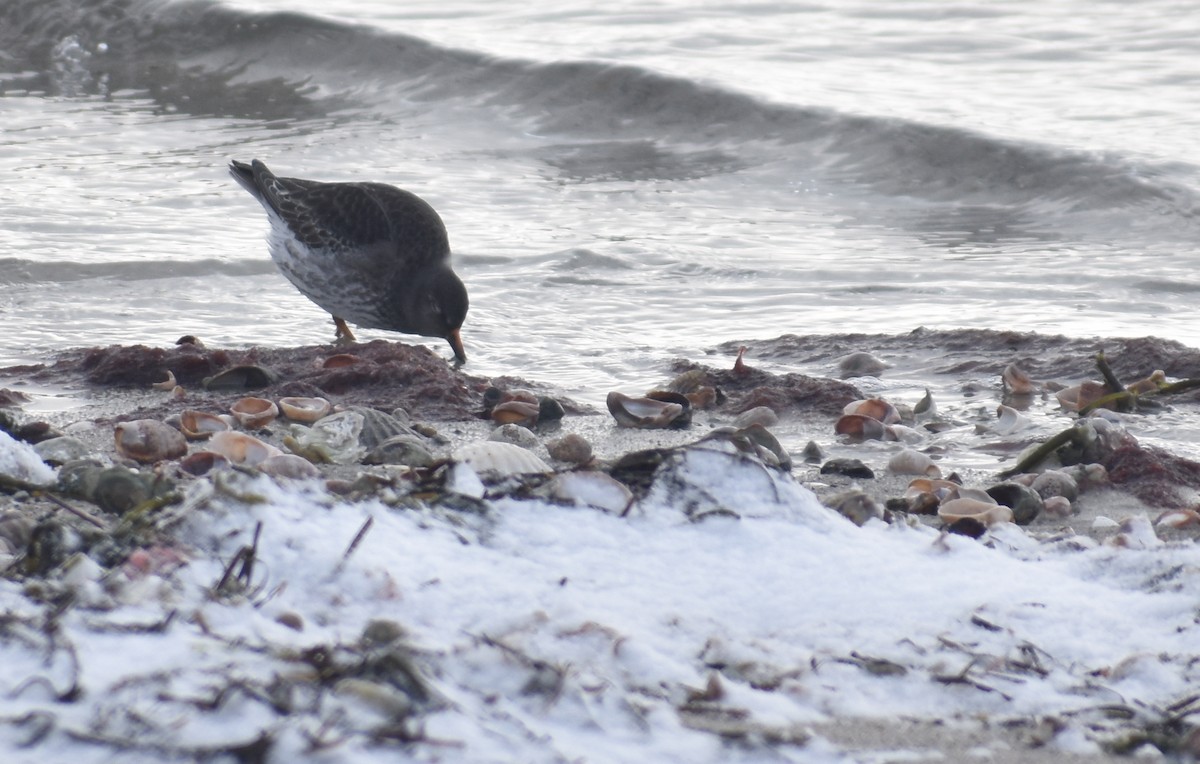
(342, 335)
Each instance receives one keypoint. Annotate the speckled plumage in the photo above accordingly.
(368, 253)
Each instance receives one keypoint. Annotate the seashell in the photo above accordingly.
(1017, 382)
(1157, 379)
(911, 462)
(500, 459)
(861, 365)
(168, 384)
(981, 511)
(339, 361)
(254, 413)
(515, 412)
(1025, 502)
(1009, 420)
(666, 396)
(289, 466)
(857, 506)
(202, 463)
(859, 427)
(926, 408)
(549, 409)
(704, 397)
(762, 415)
(515, 434)
(401, 449)
(240, 378)
(942, 489)
(876, 408)
(767, 446)
(377, 426)
(570, 448)
(591, 489)
(304, 409)
(148, 441)
(644, 413)
(198, 425)
(1178, 518)
(240, 448)
(1081, 395)
(1057, 506)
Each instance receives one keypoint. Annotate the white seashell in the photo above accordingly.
(910, 462)
(592, 489)
(253, 413)
(1178, 518)
(304, 409)
(289, 466)
(501, 459)
(1009, 420)
(974, 509)
(148, 441)
(198, 425)
(240, 448)
(645, 413)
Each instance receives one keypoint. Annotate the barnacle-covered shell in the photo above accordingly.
(198, 425)
(645, 413)
(148, 441)
(240, 448)
(502, 459)
(304, 409)
(253, 413)
(974, 509)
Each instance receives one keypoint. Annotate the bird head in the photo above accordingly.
(440, 308)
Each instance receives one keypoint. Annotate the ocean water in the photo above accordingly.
(622, 185)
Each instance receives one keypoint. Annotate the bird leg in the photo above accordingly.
(342, 335)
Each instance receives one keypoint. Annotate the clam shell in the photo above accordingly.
(644, 413)
(240, 448)
(515, 412)
(863, 428)
(400, 449)
(876, 408)
(148, 441)
(304, 409)
(910, 462)
(1017, 382)
(289, 466)
(501, 459)
(974, 509)
(942, 489)
(377, 426)
(198, 425)
(591, 489)
(202, 463)
(253, 413)
(1079, 396)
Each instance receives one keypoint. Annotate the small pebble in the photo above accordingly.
(570, 448)
(515, 434)
(848, 467)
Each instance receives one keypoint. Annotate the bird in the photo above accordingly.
(368, 253)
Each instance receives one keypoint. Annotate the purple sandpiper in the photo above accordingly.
(369, 253)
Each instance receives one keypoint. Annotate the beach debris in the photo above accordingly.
(148, 441)
(338, 438)
(591, 489)
(571, 448)
(304, 409)
(855, 505)
(200, 425)
(649, 413)
(861, 364)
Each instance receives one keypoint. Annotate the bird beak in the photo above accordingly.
(456, 343)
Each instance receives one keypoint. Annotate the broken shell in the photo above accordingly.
(591, 489)
(253, 413)
(1178, 518)
(240, 378)
(202, 463)
(944, 490)
(974, 509)
(1081, 395)
(1009, 420)
(862, 427)
(168, 384)
(645, 413)
(289, 466)
(198, 425)
(339, 438)
(515, 412)
(240, 448)
(1017, 382)
(501, 459)
(876, 408)
(148, 441)
(910, 462)
(304, 409)
(377, 426)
